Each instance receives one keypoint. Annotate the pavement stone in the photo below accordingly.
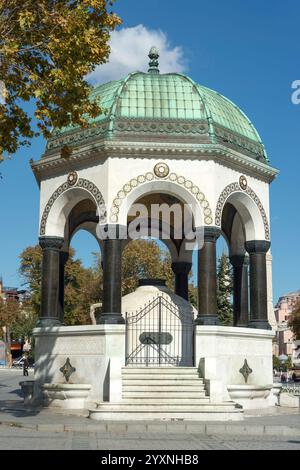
(25, 428)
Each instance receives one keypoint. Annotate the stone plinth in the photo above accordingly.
(220, 354)
(97, 352)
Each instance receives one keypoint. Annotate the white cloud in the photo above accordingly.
(129, 53)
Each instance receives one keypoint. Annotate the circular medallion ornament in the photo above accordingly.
(72, 178)
(243, 182)
(161, 170)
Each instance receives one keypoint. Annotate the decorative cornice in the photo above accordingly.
(77, 136)
(233, 188)
(81, 183)
(242, 143)
(150, 176)
(161, 126)
(104, 149)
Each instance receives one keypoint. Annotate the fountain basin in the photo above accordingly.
(250, 396)
(276, 390)
(27, 388)
(69, 396)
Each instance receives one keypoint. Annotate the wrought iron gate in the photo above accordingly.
(160, 334)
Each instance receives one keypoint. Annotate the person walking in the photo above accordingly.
(25, 366)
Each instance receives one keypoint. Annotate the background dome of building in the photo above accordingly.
(166, 107)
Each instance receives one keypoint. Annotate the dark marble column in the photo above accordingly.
(49, 315)
(207, 279)
(181, 270)
(63, 258)
(257, 250)
(240, 265)
(112, 278)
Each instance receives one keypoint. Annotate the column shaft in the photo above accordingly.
(258, 283)
(240, 290)
(50, 281)
(181, 270)
(207, 279)
(112, 282)
(63, 258)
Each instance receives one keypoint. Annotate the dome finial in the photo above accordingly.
(153, 64)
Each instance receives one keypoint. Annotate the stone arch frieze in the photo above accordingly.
(238, 187)
(192, 188)
(74, 182)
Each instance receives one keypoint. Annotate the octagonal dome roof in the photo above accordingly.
(155, 104)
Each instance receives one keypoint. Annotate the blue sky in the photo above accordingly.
(248, 51)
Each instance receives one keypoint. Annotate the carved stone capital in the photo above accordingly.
(257, 246)
(181, 267)
(51, 243)
(211, 234)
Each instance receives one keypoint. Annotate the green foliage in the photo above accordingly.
(280, 365)
(276, 363)
(9, 312)
(22, 326)
(30, 271)
(46, 49)
(144, 259)
(83, 286)
(193, 295)
(224, 291)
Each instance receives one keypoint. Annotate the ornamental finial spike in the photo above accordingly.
(153, 64)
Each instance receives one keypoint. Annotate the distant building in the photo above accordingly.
(284, 336)
(8, 294)
(13, 293)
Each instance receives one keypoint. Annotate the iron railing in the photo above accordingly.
(160, 334)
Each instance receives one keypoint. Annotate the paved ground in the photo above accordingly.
(43, 429)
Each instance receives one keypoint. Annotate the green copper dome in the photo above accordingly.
(150, 106)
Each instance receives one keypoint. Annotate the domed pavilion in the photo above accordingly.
(162, 139)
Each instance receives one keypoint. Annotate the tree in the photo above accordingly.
(224, 291)
(294, 322)
(83, 286)
(79, 283)
(193, 295)
(9, 313)
(23, 324)
(30, 271)
(47, 47)
(144, 259)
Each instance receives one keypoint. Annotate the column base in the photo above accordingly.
(47, 322)
(110, 319)
(260, 324)
(207, 320)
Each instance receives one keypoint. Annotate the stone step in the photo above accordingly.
(229, 405)
(166, 401)
(154, 377)
(138, 411)
(160, 370)
(163, 383)
(163, 394)
(197, 388)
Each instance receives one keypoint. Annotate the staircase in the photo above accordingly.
(156, 393)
